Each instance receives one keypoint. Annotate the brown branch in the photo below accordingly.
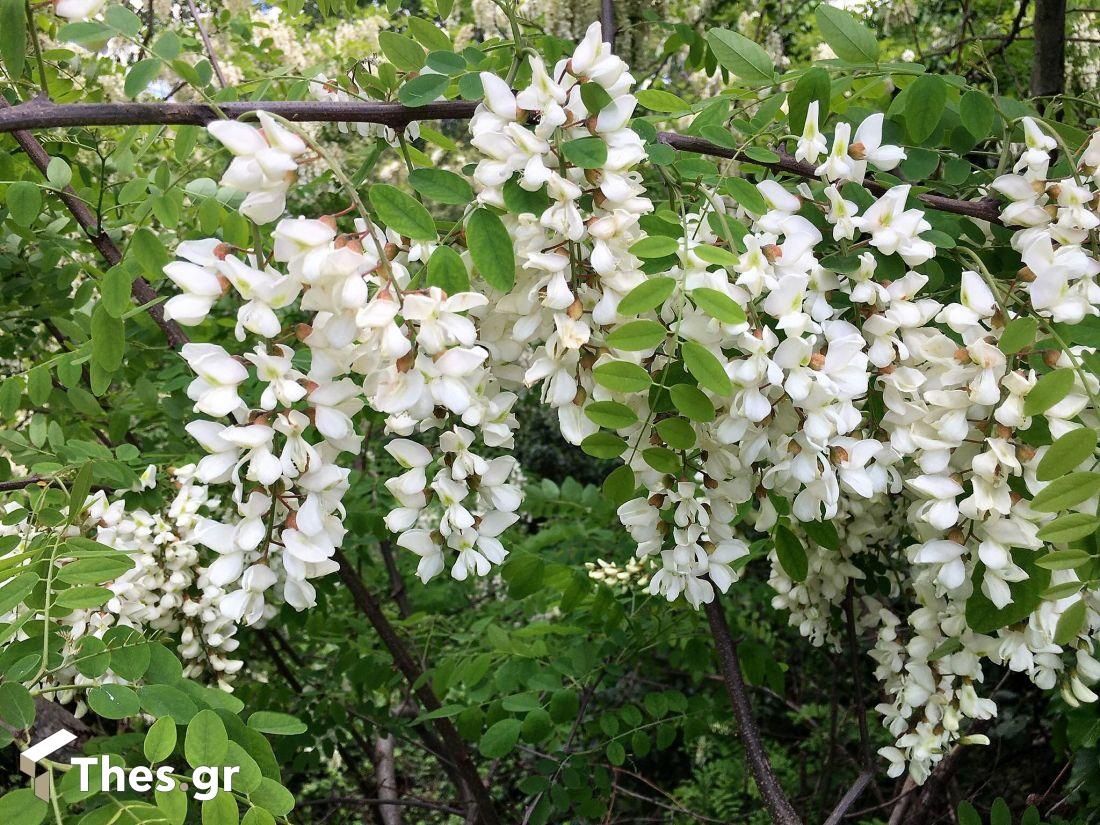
(849, 799)
(206, 43)
(142, 292)
(23, 483)
(607, 21)
(779, 807)
(857, 675)
(1013, 32)
(484, 810)
(39, 114)
(986, 209)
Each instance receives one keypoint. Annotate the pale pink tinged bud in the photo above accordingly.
(962, 355)
(1025, 452)
(817, 361)
(222, 250)
(302, 331)
(291, 521)
(329, 221)
(1004, 432)
(310, 386)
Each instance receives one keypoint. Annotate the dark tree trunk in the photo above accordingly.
(1048, 72)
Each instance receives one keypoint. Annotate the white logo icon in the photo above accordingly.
(29, 759)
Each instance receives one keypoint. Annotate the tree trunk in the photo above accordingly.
(1048, 71)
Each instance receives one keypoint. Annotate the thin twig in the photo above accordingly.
(207, 44)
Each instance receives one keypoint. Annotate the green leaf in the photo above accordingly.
(500, 738)
(165, 700)
(108, 339)
(718, 305)
(619, 485)
(273, 797)
(491, 249)
(1067, 491)
(746, 195)
(677, 433)
(924, 106)
(621, 376)
(813, 85)
(791, 554)
(740, 56)
(706, 368)
(984, 617)
(586, 152)
(22, 807)
(123, 20)
(16, 705)
(113, 701)
(823, 534)
(594, 97)
(692, 402)
(402, 213)
(140, 75)
(277, 724)
(1070, 623)
(160, 740)
(447, 271)
(647, 295)
(1048, 391)
(24, 202)
(1065, 453)
(604, 445)
(655, 246)
(977, 113)
(78, 493)
(403, 52)
(441, 185)
(114, 290)
(96, 570)
(58, 172)
(206, 740)
(659, 101)
(89, 33)
(715, 255)
(634, 336)
(1063, 560)
(851, 40)
(1069, 527)
(14, 591)
(1017, 334)
(221, 810)
(663, 460)
(422, 90)
(611, 414)
(13, 37)
(83, 597)
(433, 37)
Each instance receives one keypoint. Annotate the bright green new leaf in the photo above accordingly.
(206, 741)
(791, 554)
(740, 56)
(706, 368)
(585, 152)
(441, 185)
(1067, 491)
(636, 335)
(1066, 453)
(851, 40)
(447, 271)
(718, 305)
(647, 295)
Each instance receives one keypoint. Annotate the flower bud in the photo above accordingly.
(857, 151)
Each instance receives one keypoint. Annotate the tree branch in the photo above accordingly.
(607, 21)
(206, 43)
(779, 807)
(484, 809)
(39, 114)
(142, 292)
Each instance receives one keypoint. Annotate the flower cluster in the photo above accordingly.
(774, 365)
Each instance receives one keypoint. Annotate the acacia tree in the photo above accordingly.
(838, 326)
